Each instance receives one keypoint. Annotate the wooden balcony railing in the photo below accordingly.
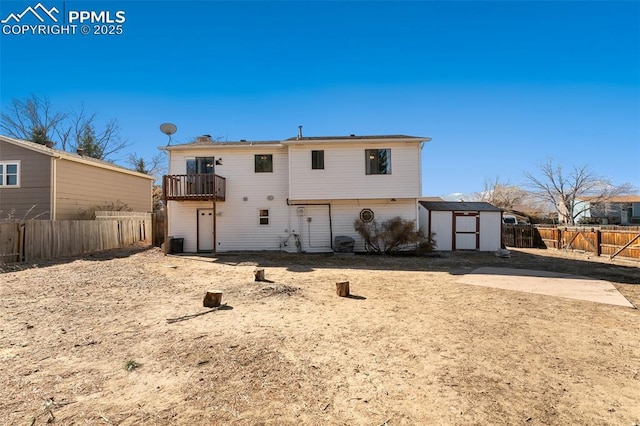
(193, 187)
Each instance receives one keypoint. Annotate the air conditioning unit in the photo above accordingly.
(300, 211)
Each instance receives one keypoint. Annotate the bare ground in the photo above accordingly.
(122, 338)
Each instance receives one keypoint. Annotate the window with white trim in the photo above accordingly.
(263, 217)
(9, 174)
(378, 161)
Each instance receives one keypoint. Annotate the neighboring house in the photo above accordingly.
(44, 183)
(621, 209)
(461, 225)
(292, 195)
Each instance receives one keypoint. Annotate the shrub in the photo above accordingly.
(392, 236)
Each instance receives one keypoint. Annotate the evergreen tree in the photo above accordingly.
(88, 144)
(39, 135)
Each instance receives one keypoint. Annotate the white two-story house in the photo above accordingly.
(291, 195)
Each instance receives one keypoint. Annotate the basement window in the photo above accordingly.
(263, 217)
(9, 174)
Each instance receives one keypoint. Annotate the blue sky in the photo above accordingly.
(500, 86)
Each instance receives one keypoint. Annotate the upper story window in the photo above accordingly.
(317, 160)
(264, 163)
(9, 174)
(378, 161)
(200, 165)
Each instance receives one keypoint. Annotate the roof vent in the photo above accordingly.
(243, 140)
(80, 151)
(48, 144)
(352, 135)
(299, 132)
(204, 138)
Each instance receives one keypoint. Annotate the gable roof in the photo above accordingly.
(460, 206)
(36, 147)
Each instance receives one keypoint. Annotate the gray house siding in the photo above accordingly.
(33, 197)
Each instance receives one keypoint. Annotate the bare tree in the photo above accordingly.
(154, 166)
(567, 190)
(34, 119)
(501, 194)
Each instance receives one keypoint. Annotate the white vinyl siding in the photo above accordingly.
(237, 221)
(343, 183)
(344, 213)
(344, 176)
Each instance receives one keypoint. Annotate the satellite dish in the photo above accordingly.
(168, 128)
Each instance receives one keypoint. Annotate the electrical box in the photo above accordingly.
(300, 211)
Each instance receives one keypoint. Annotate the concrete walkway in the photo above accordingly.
(547, 283)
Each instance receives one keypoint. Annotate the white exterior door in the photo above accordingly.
(205, 229)
(466, 231)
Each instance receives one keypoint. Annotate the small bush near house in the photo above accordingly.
(392, 236)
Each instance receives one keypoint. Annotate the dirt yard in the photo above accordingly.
(117, 339)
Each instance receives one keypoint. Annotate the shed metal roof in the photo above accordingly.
(459, 206)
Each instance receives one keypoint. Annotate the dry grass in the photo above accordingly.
(413, 346)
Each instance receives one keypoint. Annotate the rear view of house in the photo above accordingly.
(39, 182)
(293, 195)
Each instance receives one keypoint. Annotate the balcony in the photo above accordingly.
(193, 187)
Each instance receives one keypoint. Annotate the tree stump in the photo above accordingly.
(212, 299)
(342, 289)
(259, 274)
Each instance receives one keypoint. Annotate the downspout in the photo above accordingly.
(318, 204)
(165, 225)
(54, 176)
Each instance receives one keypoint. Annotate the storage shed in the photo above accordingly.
(461, 225)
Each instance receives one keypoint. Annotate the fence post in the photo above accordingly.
(559, 241)
(21, 257)
(598, 242)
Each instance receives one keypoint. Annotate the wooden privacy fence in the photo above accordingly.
(623, 241)
(52, 239)
(523, 236)
(11, 241)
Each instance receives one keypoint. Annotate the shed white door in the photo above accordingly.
(467, 236)
(205, 229)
